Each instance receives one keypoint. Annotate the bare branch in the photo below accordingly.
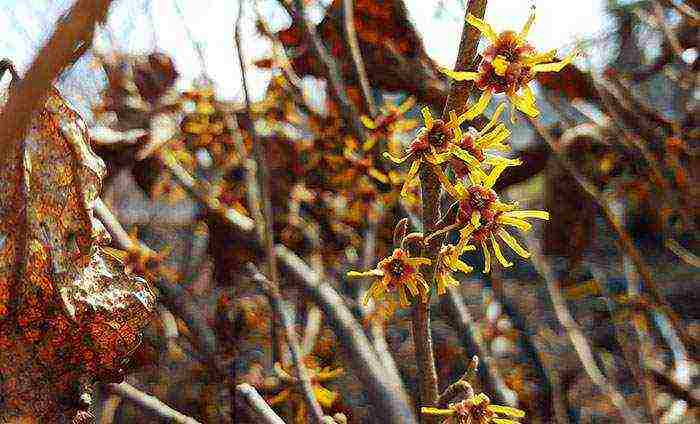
(258, 404)
(338, 92)
(150, 403)
(354, 47)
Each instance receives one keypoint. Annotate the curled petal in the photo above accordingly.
(427, 117)
(513, 243)
(495, 139)
(460, 75)
(379, 176)
(555, 66)
(403, 297)
(529, 214)
(499, 255)
(417, 262)
(368, 122)
(526, 28)
(522, 104)
(496, 172)
(370, 273)
(540, 58)
(412, 172)
(396, 160)
(437, 412)
(514, 222)
(482, 26)
(507, 410)
(494, 118)
(479, 107)
(487, 258)
(406, 105)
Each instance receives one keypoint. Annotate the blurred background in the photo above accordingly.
(609, 307)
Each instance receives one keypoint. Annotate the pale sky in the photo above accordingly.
(138, 24)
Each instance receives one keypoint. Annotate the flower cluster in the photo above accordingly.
(507, 66)
(467, 165)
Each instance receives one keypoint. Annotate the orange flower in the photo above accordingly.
(508, 65)
(398, 275)
(475, 410)
(431, 145)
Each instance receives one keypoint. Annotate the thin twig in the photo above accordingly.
(150, 403)
(354, 47)
(272, 291)
(256, 402)
(663, 379)
(633, 355)
(28, 94)
(461, 386)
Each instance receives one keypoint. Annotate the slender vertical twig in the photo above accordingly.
(337, 92)
(430, 194)
(578, 339)
(624, 240)
(354, 47)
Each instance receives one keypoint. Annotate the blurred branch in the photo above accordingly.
(354, 47)
(576, 336)
(338, 91)
(474, 344)
(174, 296)
(256, 402)
(382, 392)
(663, 379)
(272, 291)
(28, 94)
(631, 350)
(150, 403)
(623, 239)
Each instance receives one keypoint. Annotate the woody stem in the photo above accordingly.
(430, 194)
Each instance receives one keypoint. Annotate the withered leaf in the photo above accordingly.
(69, 315)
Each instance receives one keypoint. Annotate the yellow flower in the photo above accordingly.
(484, 218)
(508, 65)
(469, 148)
(448, 262)
(476, 410)
(397, 275)
(432, 145)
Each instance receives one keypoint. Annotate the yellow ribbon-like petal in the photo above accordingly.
(460, 75)
(482, 26)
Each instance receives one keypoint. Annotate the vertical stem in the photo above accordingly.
(430, 194)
